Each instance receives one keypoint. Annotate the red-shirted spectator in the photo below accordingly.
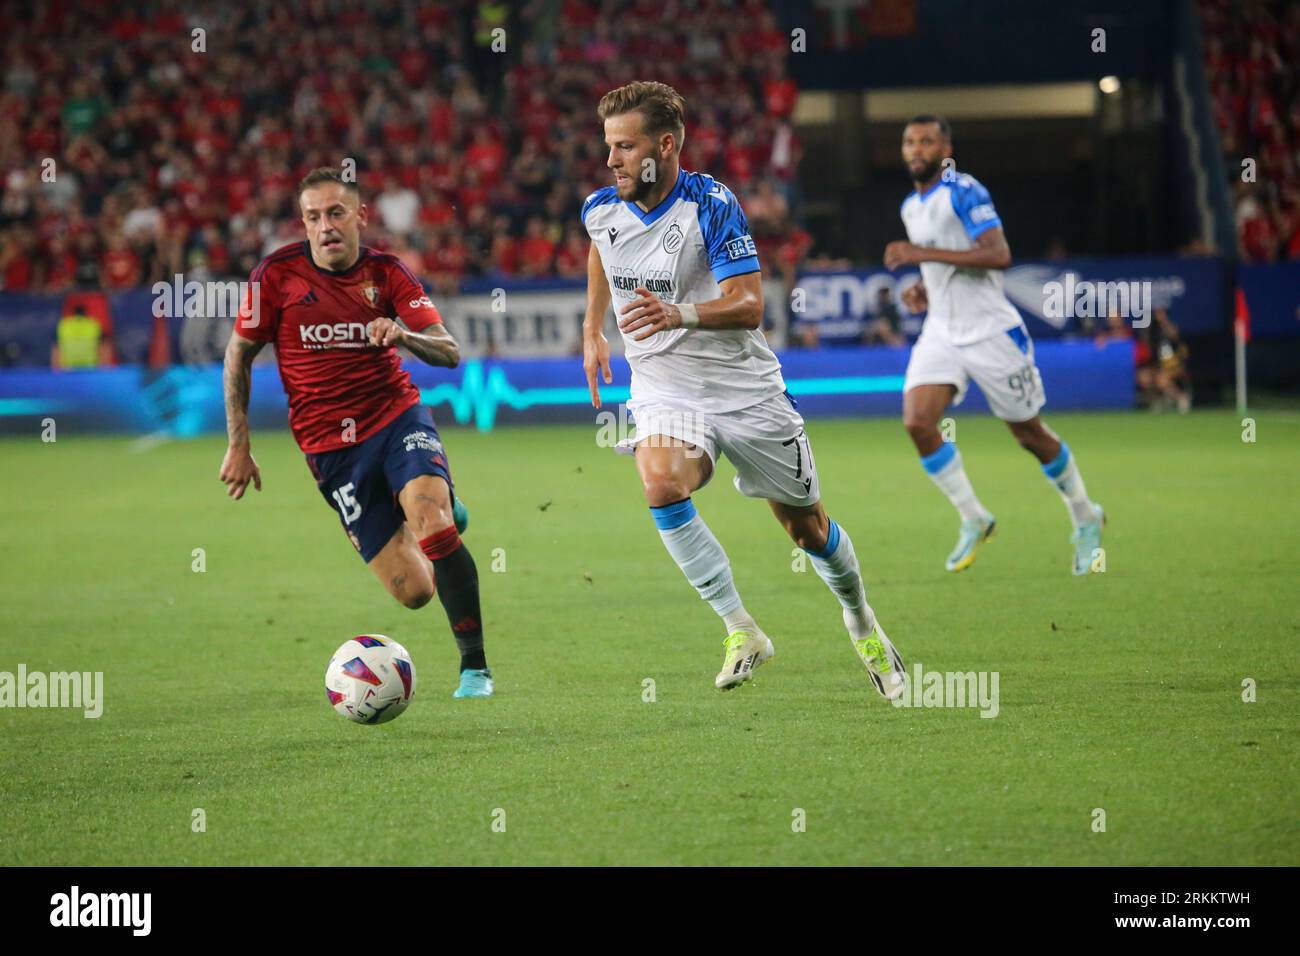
(436, 211)
(61, 267)
(119, 266)
(486, 155)
(505, 248)
(571, 257)
(536, 250)
(779, 93)
(413, 62)
(16, 265)
(447, 255)
(473, 192)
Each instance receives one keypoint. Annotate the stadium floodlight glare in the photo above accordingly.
(1108, 84)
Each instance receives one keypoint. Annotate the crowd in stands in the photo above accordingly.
(140, 139)
(1252, 54)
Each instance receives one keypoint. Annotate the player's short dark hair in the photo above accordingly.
(326, 174)
(923, 118)
(661, 106)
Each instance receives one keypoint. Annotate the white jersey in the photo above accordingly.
(680, 251)
(966, 305)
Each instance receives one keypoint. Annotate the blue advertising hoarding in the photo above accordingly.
(544, 318)
(183, 401)
(1055, 298)
(1273, 299)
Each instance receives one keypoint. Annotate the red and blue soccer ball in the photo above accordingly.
(370, 679)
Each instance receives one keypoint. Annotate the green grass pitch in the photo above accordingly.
(1121, 691)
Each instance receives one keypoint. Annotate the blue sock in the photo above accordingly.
(946, 470)
(1063, 472)
(837, 565)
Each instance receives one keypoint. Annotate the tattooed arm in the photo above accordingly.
(434, 346)
(238, 468)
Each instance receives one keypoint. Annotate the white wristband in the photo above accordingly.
(690, 317)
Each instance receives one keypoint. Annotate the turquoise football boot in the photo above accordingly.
(974, 532)
(1087, 543)
(474, 682)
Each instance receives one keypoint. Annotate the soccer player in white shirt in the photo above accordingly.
(672, 249)
(972, 332)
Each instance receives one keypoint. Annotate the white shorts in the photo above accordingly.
(765, 442)
(1002, 366)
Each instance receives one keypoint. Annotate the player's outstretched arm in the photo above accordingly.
(991, 252)
(434, 346)
(595, 347)
(739, 307)
(238, 467)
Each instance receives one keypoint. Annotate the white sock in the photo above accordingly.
(837, 565)
(739, 620)
(1063, 473)
(945, 469)
(701, 558)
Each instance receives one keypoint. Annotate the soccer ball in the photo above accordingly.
(370, 679)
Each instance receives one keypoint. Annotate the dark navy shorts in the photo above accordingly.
(361, 483)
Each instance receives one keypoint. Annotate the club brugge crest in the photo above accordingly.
(673, 239)
(371, 294)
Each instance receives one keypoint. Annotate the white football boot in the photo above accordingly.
(745, 651)
(884, 663)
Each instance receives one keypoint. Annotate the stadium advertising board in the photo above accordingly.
(1056, 298)
(184, 400)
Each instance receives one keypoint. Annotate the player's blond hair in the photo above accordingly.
(661, 107)
(327, 174)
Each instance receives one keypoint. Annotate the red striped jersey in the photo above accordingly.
(341, 388)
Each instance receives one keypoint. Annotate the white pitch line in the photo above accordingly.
(149, 442)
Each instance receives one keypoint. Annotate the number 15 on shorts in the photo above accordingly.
(349, 507)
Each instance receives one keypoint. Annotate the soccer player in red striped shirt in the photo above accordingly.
(332, 308)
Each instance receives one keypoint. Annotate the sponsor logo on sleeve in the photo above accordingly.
(741, 248)
(422, 441)
(983, 212)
